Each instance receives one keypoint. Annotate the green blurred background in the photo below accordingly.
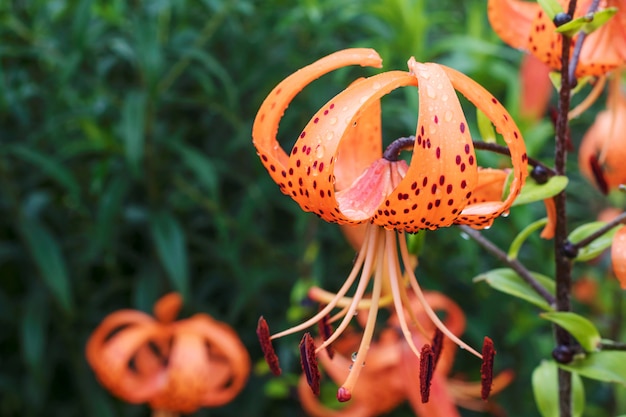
(127, 171)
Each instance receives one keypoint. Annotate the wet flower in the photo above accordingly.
(603, 148)
(175, 366)
(336, 169)
(526, 26)
(392, 372)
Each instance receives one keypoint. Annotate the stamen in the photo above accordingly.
(326, 331)
(392, 259)
(263, 333)
(371, 235)
(437, 345)
(427, 369)
(342, 291)
(368, 332)
(427, 308)
(309, 363)
(486, 370)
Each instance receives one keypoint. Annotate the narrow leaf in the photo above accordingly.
(582, 329)
(521, 237)
(596, 247)
(507, 281)
(169, 240)
(34, 321)
(47, 255)
(607, 366)
(538, 192)
(132, 124)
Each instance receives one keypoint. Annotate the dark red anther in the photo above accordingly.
(263, 333)
(326, 331)
(437, 346)
(486, 370)
(309, 363)
(598, 174)
(427, 369)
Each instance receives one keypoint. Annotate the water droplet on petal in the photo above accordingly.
(353, 356)
(447, 116)
(329, 135)
(319, 151)
(363, 99)
(425, 74)
(430, 91)
(376, 86)
(444, 97)
(332, 120)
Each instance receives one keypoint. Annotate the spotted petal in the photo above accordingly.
(266, 123)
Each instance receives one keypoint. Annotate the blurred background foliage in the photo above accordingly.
(127, 171)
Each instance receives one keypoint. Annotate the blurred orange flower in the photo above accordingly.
(175, 366)
(525, 25)
(391, 374)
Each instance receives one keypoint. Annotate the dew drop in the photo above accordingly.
(447, 116)
(319, 151)
(353, 356)
(376, 86)
(363, 99)
(329, 135)
(430, 91)
(425, 74)
(432, 129)
(464, 236)
(505, 214)
(332, 120)
(444, 97)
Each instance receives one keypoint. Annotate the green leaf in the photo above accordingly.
(507, 281)
(169, 240)
(200, 165)
(607, 366)
(551, 7)
(50, 166)
(537, 192)
(133, 129)
(47, 255)
(582, 329)
(596, 247)
(521, 237)
(546, 390)
(486, 129)
(34, 322)
(587, 23)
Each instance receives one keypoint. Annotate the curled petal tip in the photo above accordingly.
(343, 394)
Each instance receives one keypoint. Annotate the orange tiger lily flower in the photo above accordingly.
(603, 148)
(391, 373)
(337, 170)
(526, 26)
(175, 366)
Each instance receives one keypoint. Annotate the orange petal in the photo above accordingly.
(359, 148)
(110, 360)
(310, 179)
(166, 309)
(271, 111)
(536, 88)
(224, 344)
(442, 173)
(548, 230)
(512, 20)
(187, 376)
(618, 256)
(481, 215)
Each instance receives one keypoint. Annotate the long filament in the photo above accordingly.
(368, 332)
(342, 291)
(429, 311)
(394, 278)
(373, 245)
